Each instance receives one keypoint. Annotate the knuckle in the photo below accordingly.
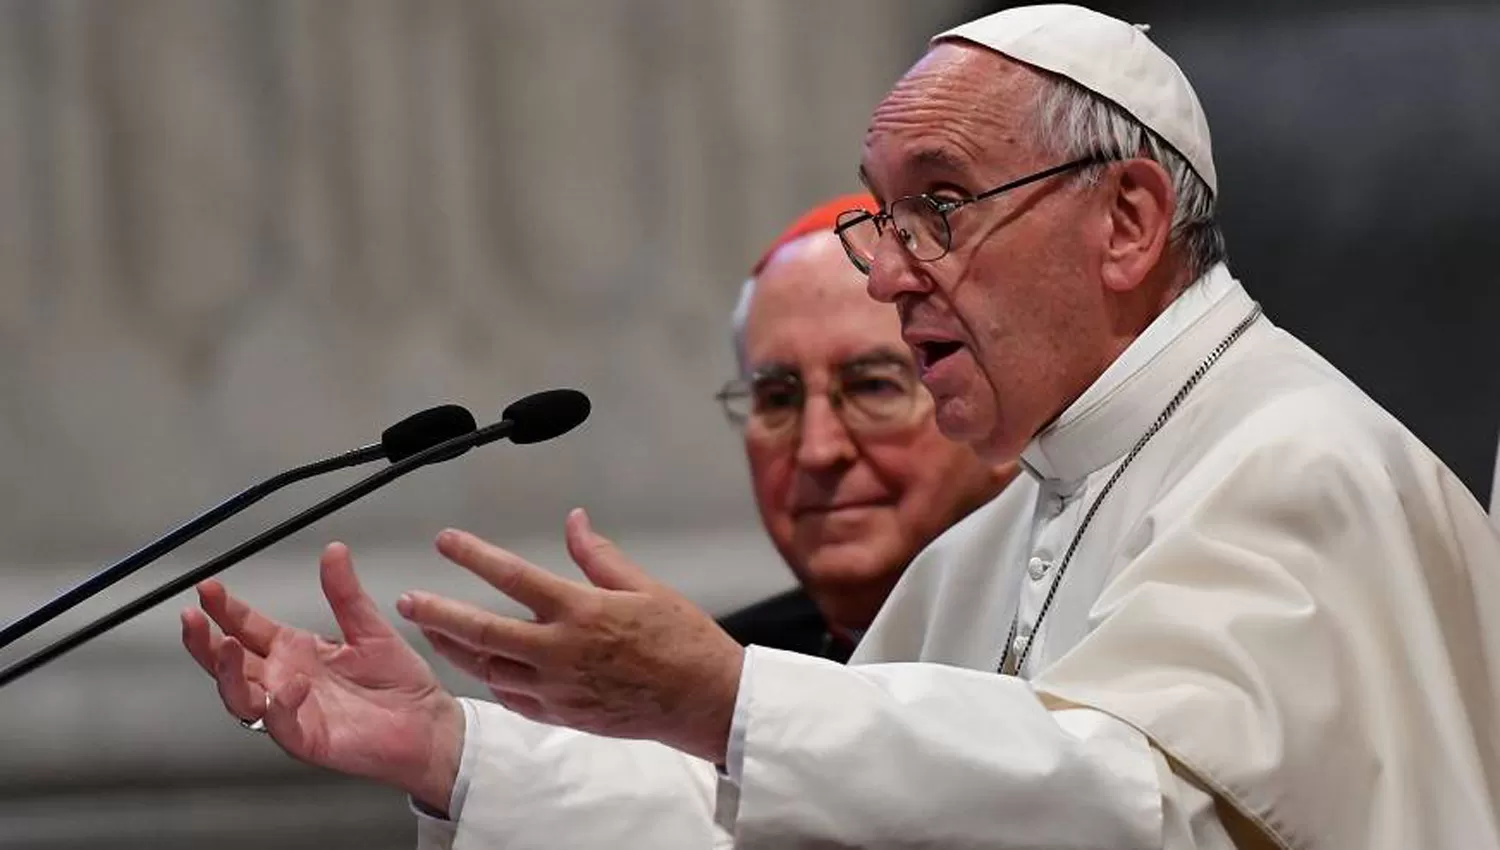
(491, 673)
(490, 632)
(504, 575)
(585, 609)
(571, 705)
(496, 671)
(509, 580)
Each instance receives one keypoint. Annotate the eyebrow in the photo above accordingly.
(881, 356)
(939, 159)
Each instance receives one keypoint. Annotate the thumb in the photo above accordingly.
(357, 614)
(600, 559)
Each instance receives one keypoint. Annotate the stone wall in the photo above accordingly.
(239, 235)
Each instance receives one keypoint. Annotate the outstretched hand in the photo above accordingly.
(622, 656)
(367, 706)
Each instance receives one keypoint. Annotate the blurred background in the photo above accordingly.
(240, 235)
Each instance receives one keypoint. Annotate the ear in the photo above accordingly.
(1140, 220)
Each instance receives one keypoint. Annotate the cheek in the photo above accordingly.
(1011, 340)
(771, 474)
(931, 475)
(910, 473)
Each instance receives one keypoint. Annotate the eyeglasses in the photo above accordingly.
(871, 396)
(921, 221)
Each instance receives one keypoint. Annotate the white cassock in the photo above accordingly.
(1280, 627)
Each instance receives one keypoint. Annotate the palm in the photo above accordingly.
(369, 706)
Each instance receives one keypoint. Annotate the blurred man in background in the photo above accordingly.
(851, 476)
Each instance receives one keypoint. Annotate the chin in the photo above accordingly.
(849, 565)
(957, 419)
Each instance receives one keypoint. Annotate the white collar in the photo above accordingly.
(1101, 426)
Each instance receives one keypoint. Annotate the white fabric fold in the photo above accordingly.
(539, 786)
(920, 755)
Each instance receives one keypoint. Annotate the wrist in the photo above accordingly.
(431, 783)
(711, 743)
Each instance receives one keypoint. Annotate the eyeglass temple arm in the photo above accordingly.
(1094, 159)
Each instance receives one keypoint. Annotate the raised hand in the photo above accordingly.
(626, 657)
(368, 706)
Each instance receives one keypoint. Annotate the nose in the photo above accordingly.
(893, 272)
(823, 441)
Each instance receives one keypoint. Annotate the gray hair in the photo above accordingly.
(737, 321)
(1074, 122)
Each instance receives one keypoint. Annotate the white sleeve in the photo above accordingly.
(433, 832)
(530, 785)
(924, 755)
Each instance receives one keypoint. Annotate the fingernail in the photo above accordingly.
(404, 605)
(447, 537)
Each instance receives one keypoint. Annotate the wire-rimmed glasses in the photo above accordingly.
(921, 221)
(870, 395)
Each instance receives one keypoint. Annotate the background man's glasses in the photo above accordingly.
(921, 221)
(869, 397)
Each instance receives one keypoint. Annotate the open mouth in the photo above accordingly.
(934, 352)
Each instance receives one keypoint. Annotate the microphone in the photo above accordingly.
(402, 440)
(533, 419)
(542, 416)
(422, 430)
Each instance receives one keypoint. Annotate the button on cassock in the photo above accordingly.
(1053, 505)
(1018, 646)
(1038, 568)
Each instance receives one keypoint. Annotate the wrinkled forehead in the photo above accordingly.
(810, 309)
(961, 113)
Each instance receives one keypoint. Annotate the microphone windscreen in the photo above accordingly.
(421, 431)
(547, 414)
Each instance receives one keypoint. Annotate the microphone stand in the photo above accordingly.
(442, 451)
(108, 576)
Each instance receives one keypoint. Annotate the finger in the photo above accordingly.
(544, 593)
(244, 698)
(599, 558)
(357, 614)
(200, 640)
(525, 705)
(494, 670)
(281, 714)
(483, 632)
(238, 620)
(459, 655)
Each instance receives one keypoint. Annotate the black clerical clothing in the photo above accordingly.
(789, 621)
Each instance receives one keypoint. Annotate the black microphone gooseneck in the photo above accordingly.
(402, 440)
(533, 419)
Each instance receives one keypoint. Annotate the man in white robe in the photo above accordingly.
(1233, 604)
